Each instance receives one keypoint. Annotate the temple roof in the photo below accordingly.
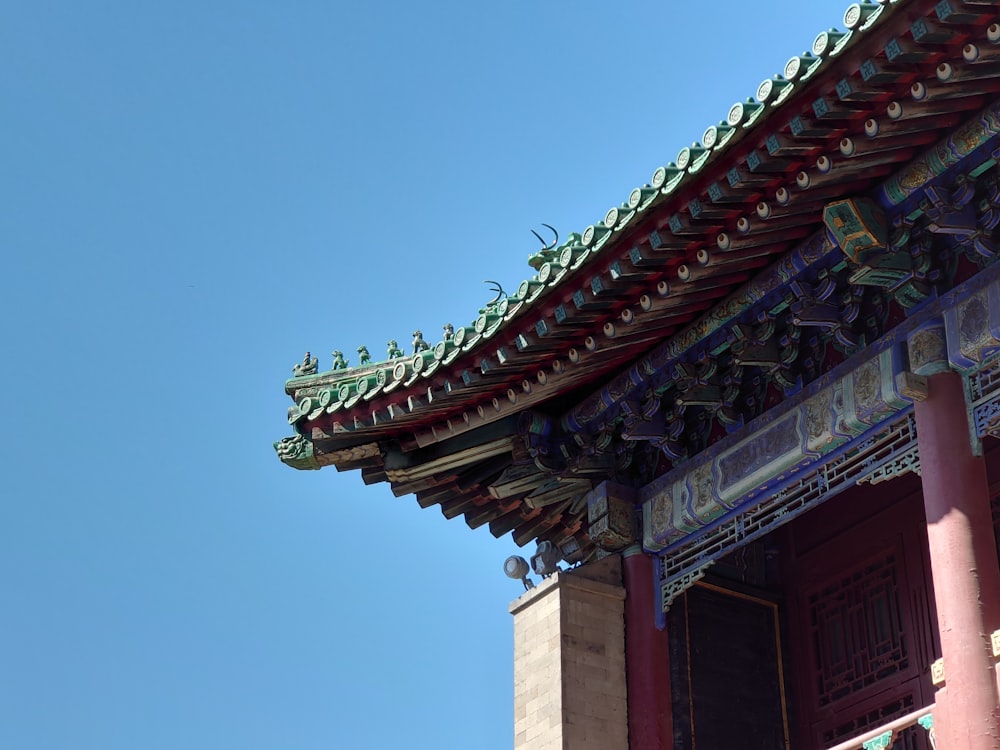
(712, 237)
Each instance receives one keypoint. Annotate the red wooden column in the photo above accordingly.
(647, 658)
(963, 563)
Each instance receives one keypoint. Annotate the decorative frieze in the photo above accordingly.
(973, 328)
(798, 493)
(905, 463)
(974, 134)
(928, 349)
(773, 448)
(853, 425)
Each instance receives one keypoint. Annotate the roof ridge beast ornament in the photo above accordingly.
(393, 351)
(419, 345)
(497, 289)
(296, 451)
(308, 366)
(547, 253)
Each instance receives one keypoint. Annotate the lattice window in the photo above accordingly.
(984, 395)
(985, 382)
(857, 631)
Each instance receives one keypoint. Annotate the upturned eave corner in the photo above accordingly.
(794, 237)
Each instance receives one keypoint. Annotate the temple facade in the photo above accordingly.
(749, 418)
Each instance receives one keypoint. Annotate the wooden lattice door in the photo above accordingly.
(862, 620)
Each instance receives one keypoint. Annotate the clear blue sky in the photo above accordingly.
(193, 194)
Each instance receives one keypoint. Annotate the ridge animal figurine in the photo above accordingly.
(364, 357)
(394, 351)
(339, 363)
(419, 345)
(548, 251)
(308, 366)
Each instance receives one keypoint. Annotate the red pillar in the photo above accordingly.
(647, 659)
(963, 563)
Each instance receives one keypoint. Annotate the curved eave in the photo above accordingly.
(607, 304)
(739, 202)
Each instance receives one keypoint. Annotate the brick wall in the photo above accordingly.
(569, 661)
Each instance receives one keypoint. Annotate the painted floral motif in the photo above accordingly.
(927, 348)
(663, 512)
(703, 501)
(818, 415)
(757, 452)
(866, 384)
(974, 330)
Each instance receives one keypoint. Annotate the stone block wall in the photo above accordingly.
(569, 661)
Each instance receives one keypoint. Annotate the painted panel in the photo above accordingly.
(743, 470)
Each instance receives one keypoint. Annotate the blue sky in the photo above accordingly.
(193, 195)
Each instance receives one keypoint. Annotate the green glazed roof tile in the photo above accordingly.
(666, 179)
(745, 114)
(553, 264)
(530, 289)
(641, 197)
(798, 66)
(691, 155)
(618, 218)
(828, 42)
(353, 400)
(717, 136)
(862, 15)
(774, 90)
(593, 235)
(374, 392)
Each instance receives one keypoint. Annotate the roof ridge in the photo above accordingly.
(577, 249)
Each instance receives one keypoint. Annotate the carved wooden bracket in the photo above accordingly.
(611, 511)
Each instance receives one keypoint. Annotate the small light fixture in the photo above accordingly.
(545, 561)
(516, 567)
